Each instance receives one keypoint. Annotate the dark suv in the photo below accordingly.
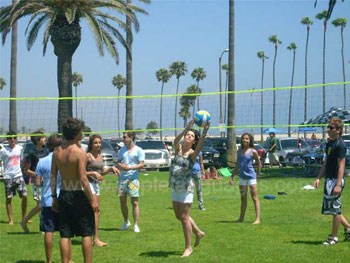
(210, 155)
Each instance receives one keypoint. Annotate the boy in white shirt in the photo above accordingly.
(13, 178)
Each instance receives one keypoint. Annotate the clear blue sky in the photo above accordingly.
(196, 32)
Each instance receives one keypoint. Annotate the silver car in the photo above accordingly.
(288, 148)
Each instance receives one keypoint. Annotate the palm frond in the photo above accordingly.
(96, 30)
(47, 34)
(70, 14)
(33, 33)
(110, 45)
(116, 34)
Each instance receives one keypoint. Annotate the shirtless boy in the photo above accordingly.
(76, 204)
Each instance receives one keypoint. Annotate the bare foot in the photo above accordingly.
(24, 227)
(239, 220)
(10, 222)
(256, 222)
(187, 252)
(99, 243)
(198, 238)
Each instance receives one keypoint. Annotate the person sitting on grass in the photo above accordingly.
(181, 182)
(333, 170)
(247, 175)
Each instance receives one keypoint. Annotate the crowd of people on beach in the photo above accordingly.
(66, 183)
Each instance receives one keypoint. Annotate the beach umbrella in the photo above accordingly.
(306, 129)
(323, 118)
(272, 129)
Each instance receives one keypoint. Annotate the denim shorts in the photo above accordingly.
(181, 196)
(246, 182)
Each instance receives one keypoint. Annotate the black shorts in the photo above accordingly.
(75, 215)
(48, 220)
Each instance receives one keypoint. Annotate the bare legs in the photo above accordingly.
(97, 241)
(254, 193)
(337, 220)
(32, 213)
(9, 208)
(182, 213)
(135, 209)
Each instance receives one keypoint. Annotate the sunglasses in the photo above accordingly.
(124, 137)
(12, 138)
(331, 127)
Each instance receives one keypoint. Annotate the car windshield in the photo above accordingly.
(150, 145)
(293, 143)
(314, 143)
(207, 144)
(218, 142)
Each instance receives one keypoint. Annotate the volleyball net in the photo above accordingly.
(102, 116)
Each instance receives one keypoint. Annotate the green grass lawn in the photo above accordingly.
(291, 230)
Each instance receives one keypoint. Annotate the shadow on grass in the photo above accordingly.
(163, 254)
(307, 242)
(225, 221)
(76, 242)
(30, 261)
(109, 229)
(4, 222)
(23, 233)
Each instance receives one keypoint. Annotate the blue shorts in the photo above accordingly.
(48, 220)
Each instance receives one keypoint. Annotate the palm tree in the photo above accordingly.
(231, 113)
(162, 75)
(225, 67)
(193, 89)
(331, 5)
(261, 55)
(13, 75)
(77, 79)
(178, 68)
(342, 23)
(118, 82)
(293, 47)
(306, 21)
(129, 120)
(198, 74)
(2, 83)
(275, 41)
(62, 20)
(323, 16)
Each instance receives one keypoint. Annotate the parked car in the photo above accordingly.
(314, 144)
(346, 137)
(109, 156)
(156, 154)
(170, 147)
(288, 146)
(210, 155)
(116, 144)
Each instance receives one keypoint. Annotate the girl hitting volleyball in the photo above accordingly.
(247, 175)
(181, 181)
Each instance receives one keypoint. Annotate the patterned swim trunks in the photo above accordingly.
(128, 187)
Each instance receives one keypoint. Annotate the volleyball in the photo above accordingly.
(201, 118)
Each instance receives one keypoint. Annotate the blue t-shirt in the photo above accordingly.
(43, 169)
(196, 169)
(133, 158)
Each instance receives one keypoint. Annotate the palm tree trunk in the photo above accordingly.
(161, 111)
(13, 76)
(64, 80)
(231, 114)
(306, 52)
(118, 114)
(291, 97)
(177, 90)
(197, 96)
(225, 101)
(343, 64)
(262, 101)
(324, 75)
(274, 86)
(129, 102)
(193, 108)
(76, 102)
